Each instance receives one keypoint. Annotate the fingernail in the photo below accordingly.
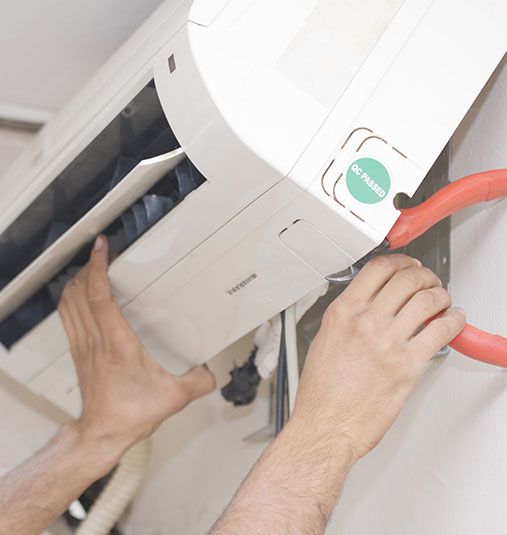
(99, 243)
(418, 262)
(461, 312)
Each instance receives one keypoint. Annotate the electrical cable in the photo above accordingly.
(281, 380)
(291, 345)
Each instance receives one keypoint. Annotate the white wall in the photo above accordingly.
(49, 49)
(26, 423)
(12, 143)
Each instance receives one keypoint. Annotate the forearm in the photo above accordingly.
(47, 483)
(293, 488)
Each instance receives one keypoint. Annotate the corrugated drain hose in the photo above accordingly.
(119, 492)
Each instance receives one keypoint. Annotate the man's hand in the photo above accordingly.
(126, 395)
(375, 341)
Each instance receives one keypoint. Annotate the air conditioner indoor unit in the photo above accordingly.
(213, 149)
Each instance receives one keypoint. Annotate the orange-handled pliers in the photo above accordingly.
(413, 222)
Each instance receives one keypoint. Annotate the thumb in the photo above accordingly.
(98, 281)
(198, 382)
(100, 251)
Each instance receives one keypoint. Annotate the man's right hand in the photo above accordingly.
(375, 341)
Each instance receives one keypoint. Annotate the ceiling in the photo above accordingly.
(50, 48)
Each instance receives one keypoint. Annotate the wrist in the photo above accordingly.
(98, 455)
(316, 434)
(321, 432)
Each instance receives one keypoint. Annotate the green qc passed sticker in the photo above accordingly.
(368, 181)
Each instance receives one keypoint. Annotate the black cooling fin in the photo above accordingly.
(135, 222)
(188, 178)
(142, 216)
(156, 207)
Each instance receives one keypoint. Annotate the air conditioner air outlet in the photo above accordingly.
(35, 293)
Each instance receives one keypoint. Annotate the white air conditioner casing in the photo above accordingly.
(275, 102)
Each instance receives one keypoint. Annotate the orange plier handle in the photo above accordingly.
(413, 222)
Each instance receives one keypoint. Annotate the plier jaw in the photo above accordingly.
(348, 275)
(413, 222)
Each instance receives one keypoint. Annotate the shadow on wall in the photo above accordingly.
(212, 411)
(12, 144)
(32, 402)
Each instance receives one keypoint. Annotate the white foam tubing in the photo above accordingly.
(292, 355)
(119, 492)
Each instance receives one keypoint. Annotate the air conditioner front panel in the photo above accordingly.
(270, 126)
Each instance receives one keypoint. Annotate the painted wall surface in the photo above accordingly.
(26, 421)
(49, 49)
